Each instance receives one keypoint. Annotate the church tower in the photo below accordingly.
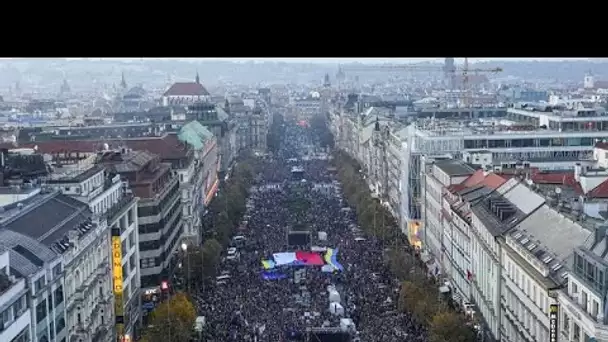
(123, 82)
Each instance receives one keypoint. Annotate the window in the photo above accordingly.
(584, 300)
(132, 261)
(57, 271)
(19, 306)
(60, 324)
(52, 330)
(39, 284)
(41, 311)
(576, 332)
(5, 319)
(574, 288)
(148, 262)
(124, 247)
(131, 239)
(50, 304)
(595, 308)
(58, 296)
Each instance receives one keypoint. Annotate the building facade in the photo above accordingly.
(42, 270)
(159, 210)
(15, 314)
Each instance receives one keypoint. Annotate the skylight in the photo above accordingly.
(517, 235)
(525, 241)
(556, 267)
(531, 246)
(548, 259)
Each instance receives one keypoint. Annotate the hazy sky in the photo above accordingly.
(363, 60)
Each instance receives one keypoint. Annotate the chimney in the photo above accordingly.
(578, 172)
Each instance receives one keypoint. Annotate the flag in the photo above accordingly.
(268, 264)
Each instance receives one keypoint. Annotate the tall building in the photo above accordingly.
(15, 315)
(203, 182)
(504, 139)
(42, 270)
(106, 196)
(69, 228)
(583, 309)
(159, 210)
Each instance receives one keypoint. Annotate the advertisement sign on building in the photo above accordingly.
(118, 283)
(553, 323)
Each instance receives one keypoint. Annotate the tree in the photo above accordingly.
(401, 263)
(171, 321)
(418, 298)
(450, 327)
(211, 256)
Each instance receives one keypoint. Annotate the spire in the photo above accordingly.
(377, 124)
(123, 83)
(65, 87)
(197, 79)
(227, 106)
(326, 82)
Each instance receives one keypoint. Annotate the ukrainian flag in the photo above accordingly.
(331, 258)
(268, 264)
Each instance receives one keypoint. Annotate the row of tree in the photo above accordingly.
(418, 294)
(173, 320)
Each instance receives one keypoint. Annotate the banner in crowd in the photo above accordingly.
(269, 275)
(331, 258)
(268, 264)
(284, 258)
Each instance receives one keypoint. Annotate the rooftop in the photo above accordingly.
(186, 89)
(131, 161)
(76, 175)
(454, 167)
(47, 218)
(26, 254)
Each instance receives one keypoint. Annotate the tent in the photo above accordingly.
(336, 309)
(347, 324)
(309, 258)
(322, 236)
(334, 296)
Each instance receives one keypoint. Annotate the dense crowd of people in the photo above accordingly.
(243, 306)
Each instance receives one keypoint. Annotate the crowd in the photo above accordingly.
(245, 307)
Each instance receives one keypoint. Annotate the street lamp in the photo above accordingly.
(185, 249)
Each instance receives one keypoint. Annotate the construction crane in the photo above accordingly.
(466, 71)
(450, 73)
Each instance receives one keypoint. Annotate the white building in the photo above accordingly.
(583, 307)
(535, 257)
(506, 138)
(42, 270)
(519, 249)
(89, 256)
(438, 175)
(200, 181)
(458, 200)
(15, 315)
